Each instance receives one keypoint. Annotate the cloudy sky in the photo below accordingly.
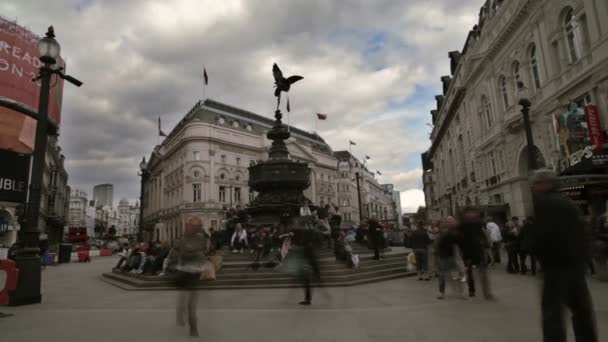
(372, 66)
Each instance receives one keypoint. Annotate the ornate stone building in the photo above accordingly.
(558, 49)
(128, 218)
(201, 169)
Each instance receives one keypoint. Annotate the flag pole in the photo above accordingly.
(317, 126)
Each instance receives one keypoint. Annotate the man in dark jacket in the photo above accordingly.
(560, 244)
(473, 244)
(420, 242)
(376, 237)
(526, 245)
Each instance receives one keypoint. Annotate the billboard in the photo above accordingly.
(579, 134)
(19, 64)
(14, 174)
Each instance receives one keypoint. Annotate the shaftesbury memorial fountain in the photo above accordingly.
(279, 181)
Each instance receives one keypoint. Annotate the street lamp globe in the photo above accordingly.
(49, 48)
(523, 94)
(143, 164)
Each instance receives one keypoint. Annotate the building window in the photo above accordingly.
(572, 38)
(196, 192)
(222, 194)
(237, 195)
(196, 155)
(223, 157)
(238, 161)
(493, 163)
(487, 110)
(502, 81)
(222, 176)
(516, 76)
(197, 174)
(534, 66)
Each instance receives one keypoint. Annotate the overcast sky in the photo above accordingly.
(372, 66)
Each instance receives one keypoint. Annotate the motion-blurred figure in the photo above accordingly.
(473, 244)
(190, 254)
(448, 257)
(308, 268)
(560, 244)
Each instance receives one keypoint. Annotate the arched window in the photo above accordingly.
(502, 82)
(572, 38)
(487, 111)
(534, 66)
(516, 76)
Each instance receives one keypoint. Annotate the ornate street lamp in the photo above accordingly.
(28, 258)
(144, 174)
(523, 98)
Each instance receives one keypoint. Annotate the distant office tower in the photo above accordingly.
(103, 194)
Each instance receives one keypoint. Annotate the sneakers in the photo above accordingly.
(234, 251)
(441, 296)
(305, 302)
(161, 274)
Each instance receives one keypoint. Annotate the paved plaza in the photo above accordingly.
(79, 306)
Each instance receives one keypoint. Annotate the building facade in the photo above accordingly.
(557, 49)
(78, 208)
(103, 194)
(128, 218)
(201, 168)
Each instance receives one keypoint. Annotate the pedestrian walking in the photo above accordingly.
(190, 254)
(511, 239)
(433, 263)
(376, 237)
(308, 264)
(447, 254)
(420, 242)
(472, 244)
(561, 245)
(526, 247)
(495, 240)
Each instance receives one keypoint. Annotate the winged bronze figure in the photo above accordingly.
(281, 83)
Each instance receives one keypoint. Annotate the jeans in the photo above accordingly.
(187, 300)
(422, 261)
(522, 262)
(496, 252)
(448, 266)
(482, 270)
(566, 286)
(512, 262)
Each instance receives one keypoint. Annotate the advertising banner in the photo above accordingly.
(596, 135)
(579, 134)
(14, 174)
(19, 64)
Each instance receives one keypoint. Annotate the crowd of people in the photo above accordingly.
(558, 242)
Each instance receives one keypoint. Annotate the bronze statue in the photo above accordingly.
(282, 83)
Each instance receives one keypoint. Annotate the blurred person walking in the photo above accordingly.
(561, 245)
(308, 265)
(511, 239)
(526, 238)
(473, 243)
(420, 242)
(447, 253)
(190, 254)
(375, 237)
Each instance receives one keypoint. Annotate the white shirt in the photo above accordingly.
(305, 211)
(495, 235)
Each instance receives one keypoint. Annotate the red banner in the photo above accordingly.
(596, 136)
(19, 63)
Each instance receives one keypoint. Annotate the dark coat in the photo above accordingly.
(420, 239)
(559, 234)
(473, 240)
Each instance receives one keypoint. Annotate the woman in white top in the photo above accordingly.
(239, 239)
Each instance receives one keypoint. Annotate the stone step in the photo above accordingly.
(227, 263)
(130, 286)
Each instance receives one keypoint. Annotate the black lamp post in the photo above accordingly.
(28, 259)
(524, 102)
(144, 174)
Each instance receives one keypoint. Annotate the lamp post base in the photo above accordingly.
(28, 285)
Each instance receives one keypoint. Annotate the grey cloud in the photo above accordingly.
(135, 69)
